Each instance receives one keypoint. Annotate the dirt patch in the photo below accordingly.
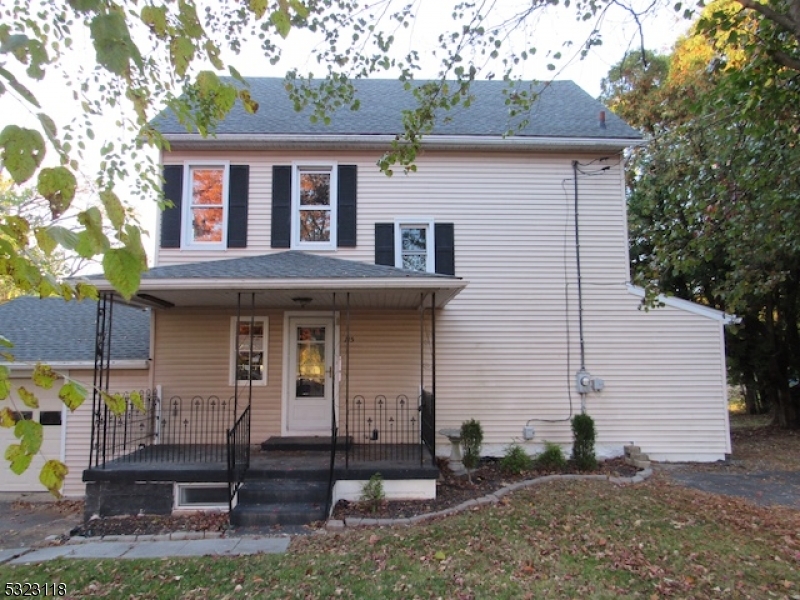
(452, 490)
(153, 524)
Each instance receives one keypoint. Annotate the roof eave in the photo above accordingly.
(237, 141)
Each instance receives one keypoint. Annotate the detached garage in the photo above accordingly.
(62, 335)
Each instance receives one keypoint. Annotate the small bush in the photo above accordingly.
(471, 442)
(552, 457)
(583, 442)
(515, 460)
(372, 492)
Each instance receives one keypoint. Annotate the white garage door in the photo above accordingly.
(50, 415)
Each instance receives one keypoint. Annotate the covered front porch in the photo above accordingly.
(323, 350)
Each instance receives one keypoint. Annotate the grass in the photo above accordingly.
(562, 539)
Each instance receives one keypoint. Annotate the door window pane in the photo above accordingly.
(311, 365)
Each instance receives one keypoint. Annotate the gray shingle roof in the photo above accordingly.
(50, 329)
(283, 265)
(562, 110)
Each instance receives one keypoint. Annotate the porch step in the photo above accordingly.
(283, 490)
(280, 501)
(305, 443)
(277, 513)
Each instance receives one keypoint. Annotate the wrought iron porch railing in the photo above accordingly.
(385, 428)
(238, 454)
(176, 430)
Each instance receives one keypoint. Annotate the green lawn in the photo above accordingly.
(568, 539)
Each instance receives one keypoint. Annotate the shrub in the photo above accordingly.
(583, 442)
(552, 457)
(515, 460)
(471, 441)
(372, 492)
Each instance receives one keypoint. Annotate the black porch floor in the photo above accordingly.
(208, 464)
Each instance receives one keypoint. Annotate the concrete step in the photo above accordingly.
(277, 513)
(283, 490)
(305, 443)
(631, 449)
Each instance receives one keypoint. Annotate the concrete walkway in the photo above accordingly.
(132, 547)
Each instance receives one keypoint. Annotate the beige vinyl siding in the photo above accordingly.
(79, 423)
(503, 349)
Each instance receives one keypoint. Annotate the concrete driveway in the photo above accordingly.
(28, 519)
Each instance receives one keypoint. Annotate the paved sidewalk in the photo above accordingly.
(233, 546)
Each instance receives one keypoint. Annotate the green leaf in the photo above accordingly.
(113, 46)
(29, 399)
(155, 17)
(85, 5)
(22, 152)
(7, 419)
(187, 15)
(66, 237)
(4, 341)
(93, 240)
(5, 383)
(26, 94)
(17, 228)
(20, 460)
(137, 400)
(85, 291)
(181, 52)
(44, 240)
(52, 476)
(123, 270)
(44, 376)
(258, 7)
(282, 22)
(300, 8)
(58, 186)
(29, 434)
(114, 209)
(72, 394)
(114, 402)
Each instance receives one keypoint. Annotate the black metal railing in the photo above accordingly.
(427, 413)
(238, 454)
(115, 436)
(176, 430)
(384, 428)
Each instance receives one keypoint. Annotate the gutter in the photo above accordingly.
(687, 306)
(77, 364)
(475, 143)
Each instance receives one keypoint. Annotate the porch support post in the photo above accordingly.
(421, 374)
(433, 369)
(102, 353)
(236, 356)
(333, 372)
(347, 384)
(250, 361)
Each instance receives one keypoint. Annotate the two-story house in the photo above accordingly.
(311, 294)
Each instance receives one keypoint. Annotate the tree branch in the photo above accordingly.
(786, 21)
(787, 61)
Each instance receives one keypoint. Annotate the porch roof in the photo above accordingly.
(288, 279)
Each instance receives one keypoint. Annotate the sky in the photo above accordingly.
(547, 32)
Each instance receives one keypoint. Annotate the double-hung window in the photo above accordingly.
(314, 205)
(414, 245)
(249, 353)
(206, 205)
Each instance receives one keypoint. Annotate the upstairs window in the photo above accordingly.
(206, 206)
(314, 202)
(414, 246)
(249, 362)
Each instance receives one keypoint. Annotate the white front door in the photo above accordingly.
(309, 375)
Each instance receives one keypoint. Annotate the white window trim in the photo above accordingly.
(232, 350)
(426, 222)
(297, 167)
(179, 487)
(187, 241)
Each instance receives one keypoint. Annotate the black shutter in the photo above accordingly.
(238, 191)
(384, 244)
(171, 217)
(346, 215)
(445, 248)
(281, 206)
